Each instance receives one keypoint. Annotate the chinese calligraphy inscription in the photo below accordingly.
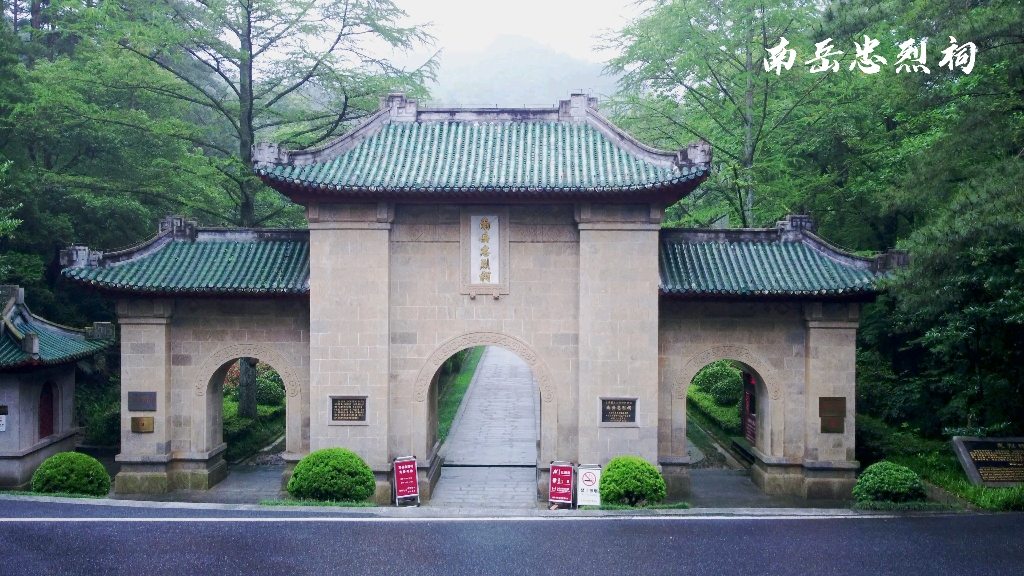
(485, 253)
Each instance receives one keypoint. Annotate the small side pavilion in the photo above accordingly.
(37, 386)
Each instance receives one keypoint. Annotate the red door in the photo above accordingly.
(749, 409)
(46, 411)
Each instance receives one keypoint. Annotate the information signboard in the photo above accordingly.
(561, 483)
(407, 482)
(588, 486)
(3, 422)
(991, 461)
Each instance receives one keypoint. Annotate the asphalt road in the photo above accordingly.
(49, 538)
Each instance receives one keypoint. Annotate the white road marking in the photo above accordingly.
(440, 519)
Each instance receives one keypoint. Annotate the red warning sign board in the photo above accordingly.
(407, 484)
(561, 484)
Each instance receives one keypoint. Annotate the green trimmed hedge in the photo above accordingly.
(723, 381)
(631, 480)
(726, 417)
(71, 473)
(332, 474)
(888, 482)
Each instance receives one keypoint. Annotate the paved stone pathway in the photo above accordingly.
(491, 452)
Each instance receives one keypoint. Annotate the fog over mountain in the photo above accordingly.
(515, 71)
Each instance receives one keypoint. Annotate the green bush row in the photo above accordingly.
(726, 417)
(723, 381)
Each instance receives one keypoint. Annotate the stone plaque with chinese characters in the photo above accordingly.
(991, 461)
(485, 252)
(348, 409)
(618, 410)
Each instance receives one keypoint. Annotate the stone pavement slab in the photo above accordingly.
(497, 424)
(491, 453)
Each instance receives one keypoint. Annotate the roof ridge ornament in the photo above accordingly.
(80, 257)
(179, 227)
(400, 108)
(797, 223)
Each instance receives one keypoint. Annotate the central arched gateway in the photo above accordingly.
(423, 441)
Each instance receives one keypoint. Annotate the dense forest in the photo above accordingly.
(894, 124)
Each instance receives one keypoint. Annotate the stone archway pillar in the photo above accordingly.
(145, 367)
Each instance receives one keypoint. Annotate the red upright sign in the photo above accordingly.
(407, 484)
(561, 485)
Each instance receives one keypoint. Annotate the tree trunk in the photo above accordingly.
(747, 206)
(246, 134)
(247, 387)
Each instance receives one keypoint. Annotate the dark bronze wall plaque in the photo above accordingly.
(832, 411)
(991, 461)
(348, 409)
(832, 407)
(142, 424)
(142, 401)
(3, 410)
(618, 410)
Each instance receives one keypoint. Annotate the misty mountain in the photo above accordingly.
(515, 71)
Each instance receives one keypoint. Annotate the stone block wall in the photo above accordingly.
(181, 349)
(432, 317)
(21, 448)
(797, 352)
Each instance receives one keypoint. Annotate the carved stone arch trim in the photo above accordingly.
(764, 368)
(471, 339)
(201, 377)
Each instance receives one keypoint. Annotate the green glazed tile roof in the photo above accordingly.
(214, 263)
(447, 156)
(57, 344)
(759, 268)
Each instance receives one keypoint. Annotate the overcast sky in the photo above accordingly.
(569, 26)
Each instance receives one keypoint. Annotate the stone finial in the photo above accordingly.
(575, 108)
(697, 153)
(179, 227)
(891, 260)
(402, 109)
(30, 343)
(100, 331)
(798, 222)
(9, 291)
(268, 153)
(79, 257)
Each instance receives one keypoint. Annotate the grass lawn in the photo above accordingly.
(337, 504)
(448, 403)
(246, 436)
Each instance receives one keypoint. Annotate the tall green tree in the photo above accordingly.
(295, 71)
(696, 70)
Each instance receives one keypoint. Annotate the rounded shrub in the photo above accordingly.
(71, 473)
(332, 474)
(722, 381)
(270, 390)
(888, 482)
(631, 480)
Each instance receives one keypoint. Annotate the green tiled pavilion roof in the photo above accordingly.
(403, 151)
(204, 262)
(761, 263)
(439, 156)
(57, 344)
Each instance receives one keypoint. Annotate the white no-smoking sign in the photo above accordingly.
(587, 489)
